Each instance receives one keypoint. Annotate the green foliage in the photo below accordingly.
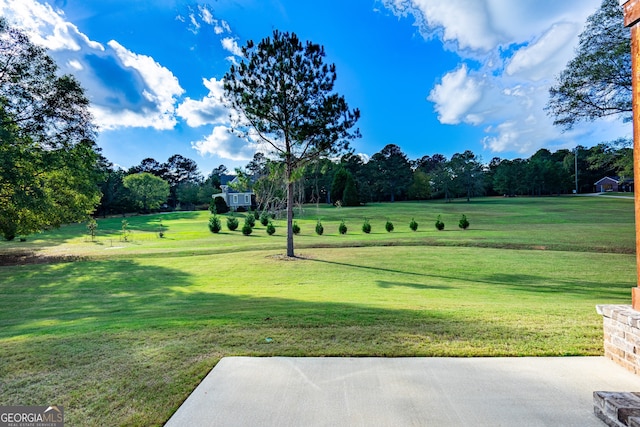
(271, 229)
(49, 163)
(92, 227)
(319, 228)
(350, 195)
(295, 228)
(247, 229)
(219, 206)
(342, 228)
(124, 231)
(232, 223)
(148, 191)
(413, 225)
(366, 226)
(388, 226)
(264, 218)
(464, 224)
(597, 82)
(283, 87)
(256, 215)
(338, 184)
(439, 223)
(250, 219)
(215, 225)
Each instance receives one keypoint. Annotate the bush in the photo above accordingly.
(264, 218)
(247, 229)
(271, 229)
(232, 223)
(214, 224)
(296, 228)
(388, 226)
(366, 227)
(219, 206)
(251, 220)
(439, 223)
(413, 225)
(464, 224)
(319, 228)
(342, 228)
(256, 215)
(241, 209)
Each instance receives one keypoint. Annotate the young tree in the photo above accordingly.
(147, 190)
(597, 82)
(283, 91)
(48, 159)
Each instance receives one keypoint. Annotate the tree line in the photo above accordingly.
(387, 176)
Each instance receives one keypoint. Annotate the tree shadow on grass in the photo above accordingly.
(131, 340)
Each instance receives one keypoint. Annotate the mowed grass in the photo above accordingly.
(124, 333)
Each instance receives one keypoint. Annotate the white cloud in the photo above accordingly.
(125, 89)
(547, 55)
(210, 110)
(518, 48)
(206, 15)
(455, 96)
(225, 144)
(230, 44)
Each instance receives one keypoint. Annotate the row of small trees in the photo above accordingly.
(232, 222)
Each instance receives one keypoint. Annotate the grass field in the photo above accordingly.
(120, 332)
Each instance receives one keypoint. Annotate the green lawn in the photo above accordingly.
(124, 333)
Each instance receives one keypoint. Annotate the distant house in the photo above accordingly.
(233, 198)
(615, 184)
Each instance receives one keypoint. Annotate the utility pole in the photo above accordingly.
(632, 20)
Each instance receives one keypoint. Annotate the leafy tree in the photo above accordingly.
(391, 171)
(468, 173)
(283, 91)
(350, 195)
(48, 159)
(149, 165)
(147, 191)
(597, 82)
(338, 185)
(420, 188)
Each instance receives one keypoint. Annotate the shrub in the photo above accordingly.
(439, 223)
(366, 227)
(342, 228)
(241, 209)
(319, 228)
(215, 225)
(296, 228)
(388, 226)
(219, 206)
(271, 229)
(232, 223)
(251, 220)
(256, 215)
(264, 218)
(247, 229)
(464, 224)
(413, 225)
(92, 227)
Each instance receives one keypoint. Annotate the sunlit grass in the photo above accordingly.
(123, 336)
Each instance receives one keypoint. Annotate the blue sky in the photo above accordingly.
(431, 76)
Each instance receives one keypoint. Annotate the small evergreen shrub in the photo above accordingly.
(439, 223)
(256, 215)
(247, 229)
(215, 225)
(271, 229)
(264, 218)
(232, 223)
(251, 220)
(388, 226)
(319, 228)
(342, 228)
(219, 206)
(464, 224)
(413, 225)
(296, 228)
(366, 227)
